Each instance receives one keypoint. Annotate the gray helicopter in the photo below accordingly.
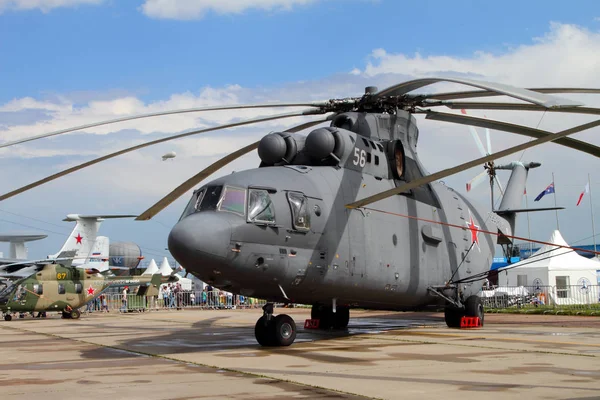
(347, 216)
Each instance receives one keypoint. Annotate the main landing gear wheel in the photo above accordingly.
(329, 319)
(8, 317)
(274, 331)
(75, 314)
(474, 308)
(453, 315)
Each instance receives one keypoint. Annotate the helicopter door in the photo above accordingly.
(356, 264)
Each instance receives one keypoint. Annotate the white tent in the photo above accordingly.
(561, 272)
(165, 269)
(152, 268)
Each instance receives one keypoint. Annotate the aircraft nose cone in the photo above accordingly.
(200, 238)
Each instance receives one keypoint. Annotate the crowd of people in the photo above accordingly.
(171, 296)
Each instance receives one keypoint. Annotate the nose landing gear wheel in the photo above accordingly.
(75, 314)
(285, 330)
(8, 317)
(274, 331)
(264, 331)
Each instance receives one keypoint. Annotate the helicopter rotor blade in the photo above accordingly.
(513, 128)
(466, 105)
(206, 172)
(153, 142)
(549, 137)
(488, 93)
(476, 138)
(476, 181)
(526, 95)
(160, 114)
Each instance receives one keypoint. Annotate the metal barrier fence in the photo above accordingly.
(584, 297)
(212, 300)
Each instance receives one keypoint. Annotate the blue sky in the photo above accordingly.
(113, 45)
(88, 60)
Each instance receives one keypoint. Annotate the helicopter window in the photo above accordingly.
(373, 145)
(20, 293)
(78, 288)
(260, 206)
(300, 214)
(38, 288)
(368, 157)
(380, 146)
(210, 198)
(366, 142)
(199, 199)
(61, 288)
(376, 160)
(233, 200)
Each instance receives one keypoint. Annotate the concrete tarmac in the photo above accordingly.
(201, 354)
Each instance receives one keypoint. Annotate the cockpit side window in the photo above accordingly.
(300, 214)
(260, 207)
(233, 200)
(38, 288)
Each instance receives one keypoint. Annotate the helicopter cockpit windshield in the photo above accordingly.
(217, 198)
(6, 288)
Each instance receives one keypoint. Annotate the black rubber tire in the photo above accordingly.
(341, 317)
(75, 314)
(453, 315)
(8, 317)
(474, 308)
(265, 332)
(323, 314)
(284, 330)
(315, 311)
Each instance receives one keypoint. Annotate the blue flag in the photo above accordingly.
(548, 190)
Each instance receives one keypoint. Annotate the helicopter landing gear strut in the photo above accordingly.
(274, 330)
(455, 309)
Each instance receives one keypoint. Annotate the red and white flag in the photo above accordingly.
(586, 190)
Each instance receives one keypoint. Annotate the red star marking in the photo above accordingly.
(474, 230)
(91, 291)
(78, 238)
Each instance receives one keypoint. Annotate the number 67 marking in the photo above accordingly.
(360, 157)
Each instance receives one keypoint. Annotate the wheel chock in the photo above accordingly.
(470, 322)
(311, 324)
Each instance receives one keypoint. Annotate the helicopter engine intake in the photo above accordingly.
(324, 143)
(278, 148)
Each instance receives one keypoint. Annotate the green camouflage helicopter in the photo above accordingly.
(63, 288)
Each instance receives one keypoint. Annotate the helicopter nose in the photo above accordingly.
(200, 240)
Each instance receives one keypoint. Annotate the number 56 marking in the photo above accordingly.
(360, 157)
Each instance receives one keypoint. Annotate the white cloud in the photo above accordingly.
(196, 9)
(566, 54)
(43, 5)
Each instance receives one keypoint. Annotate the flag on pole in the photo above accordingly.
(586, 190)
(549, 189)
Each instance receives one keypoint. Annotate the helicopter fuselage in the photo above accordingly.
(309, 248)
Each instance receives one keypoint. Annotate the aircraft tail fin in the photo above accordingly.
(83, 236)
(515, 190)
(98, 256)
